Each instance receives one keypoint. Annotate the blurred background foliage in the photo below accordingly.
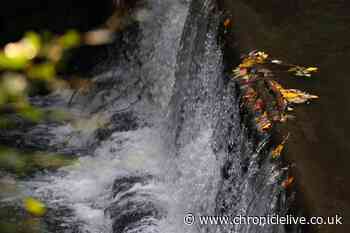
(37, 56)
(25, 163)
(32, 61)
(28, 67)
(33, 66)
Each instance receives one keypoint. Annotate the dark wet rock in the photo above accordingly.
(250, 183)
(123, 184)
(135, 212)
(133, 209)
(57, 220)
(120, 122)
(27, 137)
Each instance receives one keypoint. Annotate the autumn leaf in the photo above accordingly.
(296, 96)
(264, 96)
(261, 57)
(293, 95)
(227, 23)
(303, 71)
(254, 58)
(263, 122)
(288, 182)
(243, 71)
(34, 207)
(278, 150)
(247, 62)
(312, 69)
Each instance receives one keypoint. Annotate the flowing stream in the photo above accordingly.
(172, 140)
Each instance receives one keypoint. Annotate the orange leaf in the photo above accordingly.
(278, 150)
(227, 23)
(288, 182)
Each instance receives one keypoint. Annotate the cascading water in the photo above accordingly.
(173, 142)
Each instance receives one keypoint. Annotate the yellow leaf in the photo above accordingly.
(263, 122)
(296, 96)
(277, 151)
(312, 69)
(34, 207)
(70, 39)
(247, 63)
(302, 71)
(254, 58)
(261, 56)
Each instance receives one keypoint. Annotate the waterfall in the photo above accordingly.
(172, 140)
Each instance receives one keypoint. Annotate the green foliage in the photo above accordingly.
(26, 66)
(35, 61)
(23, 64)
(70, 40)
(22, 163)
(14, 220)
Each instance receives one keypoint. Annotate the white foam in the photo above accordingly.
(86, 185)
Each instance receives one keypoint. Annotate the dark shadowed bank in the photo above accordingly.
(310, 33)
